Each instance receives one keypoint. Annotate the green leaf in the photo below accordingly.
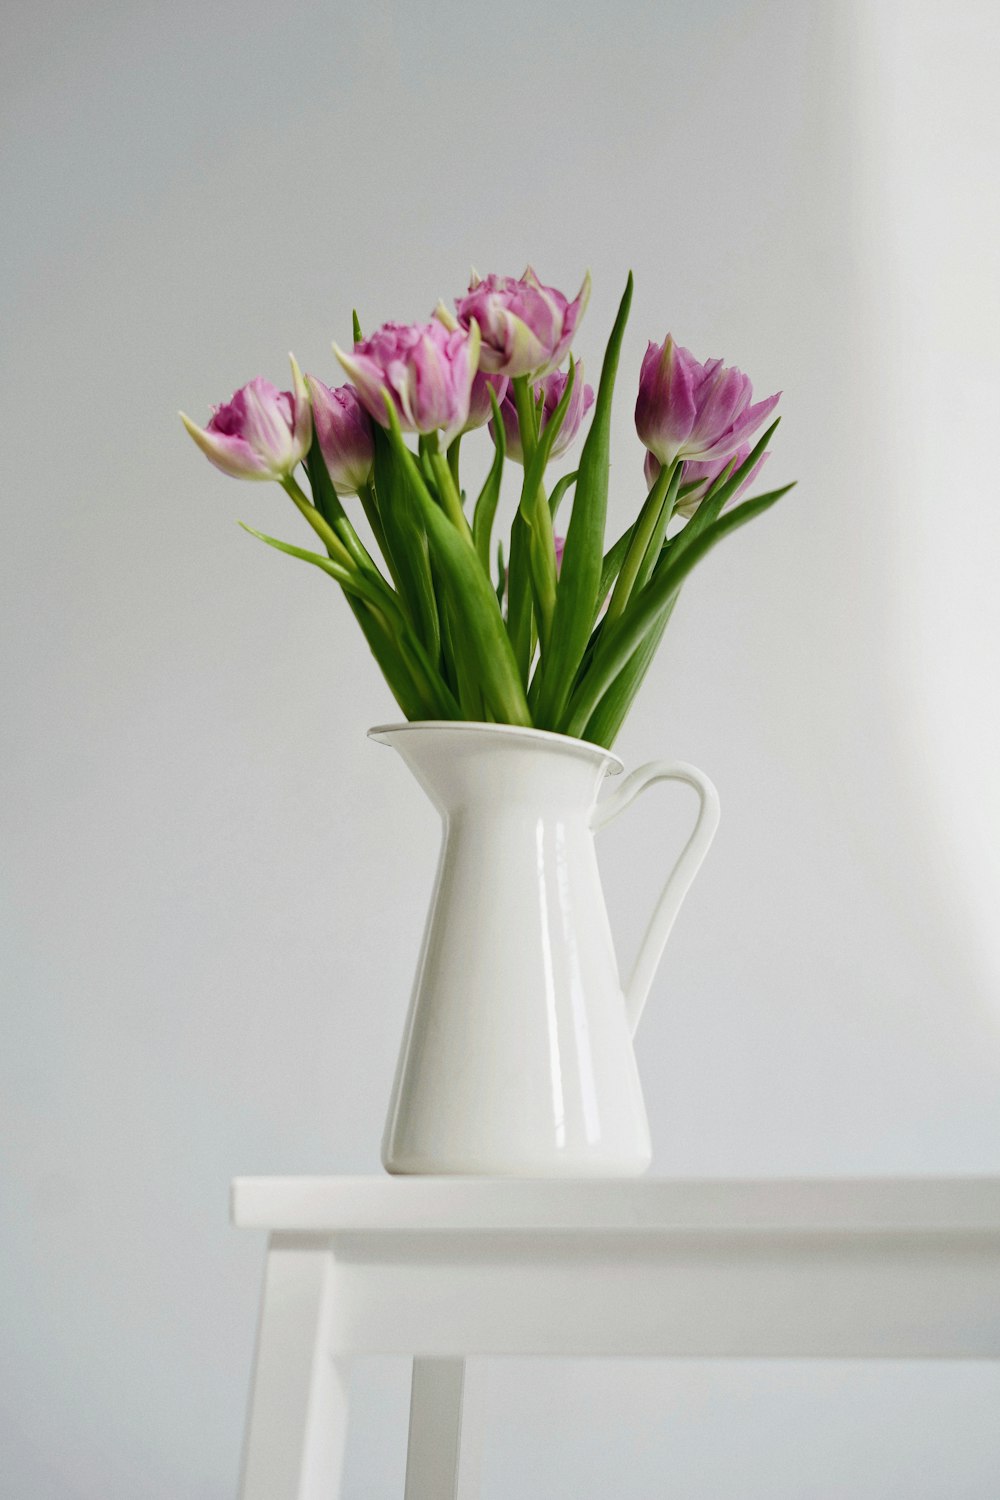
(654, 549)
(396, 649)
(415, 703)
(350, 582)
(559, 492)
(449, 496)
(406, 541)
(722, 490)
(328, 503)
(626, 635)
(485, 510)
(580, 576)
(369, 504)
(535, 509)
(611, 565)
(325, 497)
(470, 696)
(535, 466)
(520, 607)
(647, 537)
(606, 721)
(357, 326)
(470, 593)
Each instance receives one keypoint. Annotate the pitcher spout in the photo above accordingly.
(460, 762)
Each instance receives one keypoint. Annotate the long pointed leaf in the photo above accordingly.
(485, 510)
(437, 699)
(330, 507)
(559, 492)
(407, 693)
(520, 600)
(604, 724)
(582, 561)
(407, 542)
(710, 508)
(611, 565)
(471, 592)
(352, 583)
(535, 509)
(627, 634)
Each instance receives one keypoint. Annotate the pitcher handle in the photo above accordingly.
(680, 878)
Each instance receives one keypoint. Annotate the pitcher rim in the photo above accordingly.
(382, 732)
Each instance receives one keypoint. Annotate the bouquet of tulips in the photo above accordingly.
(551, 631)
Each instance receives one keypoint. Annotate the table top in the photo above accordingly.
(822, 1205)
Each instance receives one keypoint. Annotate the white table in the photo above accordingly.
(444, 1269)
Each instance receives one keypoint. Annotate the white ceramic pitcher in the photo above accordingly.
(517, 1056)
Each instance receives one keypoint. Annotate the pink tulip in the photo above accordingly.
(426, 370)
(480, 410)
(344, 433)
(551, 389)
(260, 432)
(707, 473)
(526, 327)
(693, 411)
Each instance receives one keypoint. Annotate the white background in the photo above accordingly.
(213, 886)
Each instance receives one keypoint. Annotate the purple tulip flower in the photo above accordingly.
(344, 433)
(260, 432)
(550, 389)
(426, 369)
(526, 327)
(480, 410)
(693, 411)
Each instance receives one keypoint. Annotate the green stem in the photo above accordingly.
(525, 407)
(453, 451)
(333, 543)
(450, 496)
(469, 587)
(447, 488)
(536, 512)
(649, 526)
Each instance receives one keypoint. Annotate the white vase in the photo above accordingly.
(517, 1057)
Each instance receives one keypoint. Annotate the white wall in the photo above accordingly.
(214, 886)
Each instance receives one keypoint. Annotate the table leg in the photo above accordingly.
(443, 1456)
(297, 1420)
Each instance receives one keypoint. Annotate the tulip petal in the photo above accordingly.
(665, 408)
(233, 455)
(744, 426)
(718, 405)
(445, 316)
(526, 326)
(368, 381)
(302, 430)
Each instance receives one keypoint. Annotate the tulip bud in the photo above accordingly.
(424, 369)
(260, 432)
(694, 411)
(550, 390)
(526, 327)
(344, 433)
